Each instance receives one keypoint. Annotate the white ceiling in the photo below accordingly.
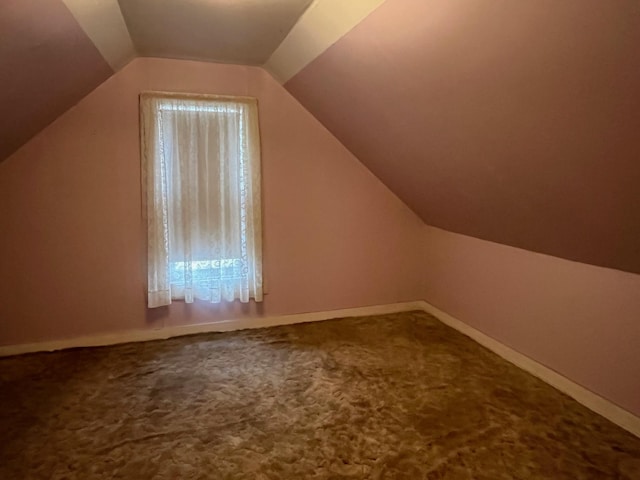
(233, 31)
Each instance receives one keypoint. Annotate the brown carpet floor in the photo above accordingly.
(390, 397)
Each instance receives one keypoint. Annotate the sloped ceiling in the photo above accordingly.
(47, 64)
(241, 31)
(515, 122)
(512, 121)
(54, 52)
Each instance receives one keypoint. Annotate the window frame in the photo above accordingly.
(149, 211)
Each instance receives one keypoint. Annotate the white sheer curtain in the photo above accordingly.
(201, 170)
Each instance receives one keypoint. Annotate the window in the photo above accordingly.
(201, 172)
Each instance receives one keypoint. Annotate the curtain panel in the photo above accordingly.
(201, 180)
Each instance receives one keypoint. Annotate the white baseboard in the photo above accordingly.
(592, 401)
(220, 326)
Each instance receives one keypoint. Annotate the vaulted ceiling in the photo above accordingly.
(54, 52)
(47, 64)
(224, 31)
(514, 122)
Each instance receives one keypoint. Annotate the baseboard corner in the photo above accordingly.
(582, 395)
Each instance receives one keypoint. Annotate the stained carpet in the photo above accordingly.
(389, 397)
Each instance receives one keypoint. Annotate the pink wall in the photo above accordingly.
(72, 236)
(580, 320)
(515, 121)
